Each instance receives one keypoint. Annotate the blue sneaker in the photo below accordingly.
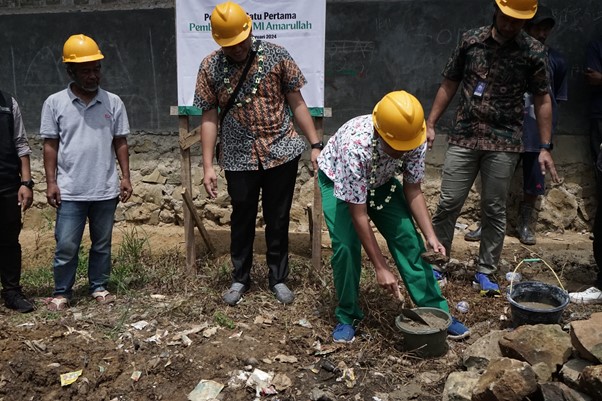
(456, 330)
(440, 277)
(487, 285)
(343, 333)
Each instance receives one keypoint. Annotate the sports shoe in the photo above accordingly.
(590, 296)
(440, 277)
(234, 293)
(17, 301)
(487, 285)
(474, 235)
(343, 333)
(283, 293)
(457, 331)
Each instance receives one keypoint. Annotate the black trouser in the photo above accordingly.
(277, 186)
(598, 221)
(595, 140)
(10, 249)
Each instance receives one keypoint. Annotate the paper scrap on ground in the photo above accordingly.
(205, 390)
(70, 377)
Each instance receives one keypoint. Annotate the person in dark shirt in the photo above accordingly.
(539, 27)
(16, 196)
(593, 76)
(493, 66)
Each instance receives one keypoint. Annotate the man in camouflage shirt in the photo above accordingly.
(493, 66)
(260, 148)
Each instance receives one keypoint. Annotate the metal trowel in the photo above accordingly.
(410, 314)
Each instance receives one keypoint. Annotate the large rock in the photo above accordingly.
(586, 337)
(478, 355)
(561, 392)
(571, 371)
(559, 208)
(154, 178)
(459, 386)
(591, 381)
(505, 380)
(543, 372)
(545, 343)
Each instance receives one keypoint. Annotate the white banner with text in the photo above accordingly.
(299, 26)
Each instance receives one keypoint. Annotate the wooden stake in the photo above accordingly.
(197, 220)
(316, 229)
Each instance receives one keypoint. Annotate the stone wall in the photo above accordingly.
(155, 171)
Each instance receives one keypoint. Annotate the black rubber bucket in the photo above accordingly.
(422, 340)
(535, 292)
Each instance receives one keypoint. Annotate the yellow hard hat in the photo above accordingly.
(81, 49)
(230, 24)
(399, 120)
(519, 9)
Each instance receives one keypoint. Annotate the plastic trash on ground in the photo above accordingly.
(136, 375)
(70, 377)
(205, 390)
(262, 383)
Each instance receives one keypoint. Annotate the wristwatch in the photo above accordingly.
(317, 145)
(547, 146)
(29, 183)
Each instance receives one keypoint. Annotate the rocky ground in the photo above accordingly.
(168, 331)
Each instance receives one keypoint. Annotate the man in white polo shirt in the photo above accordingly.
(84, 129)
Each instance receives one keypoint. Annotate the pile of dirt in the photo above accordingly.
(162, 337)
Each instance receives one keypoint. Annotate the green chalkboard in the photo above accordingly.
(139, 64)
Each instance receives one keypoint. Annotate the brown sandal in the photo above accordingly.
(103, 297)
(57, 304)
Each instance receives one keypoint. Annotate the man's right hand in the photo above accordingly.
(388, 281)
(593, 77)
(210, 182)
(53, 195)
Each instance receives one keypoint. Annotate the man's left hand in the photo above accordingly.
(547, 163)
(314, 159)
(126, 189)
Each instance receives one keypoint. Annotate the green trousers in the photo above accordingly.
(394, 222)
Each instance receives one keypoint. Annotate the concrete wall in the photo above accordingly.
(155, 159)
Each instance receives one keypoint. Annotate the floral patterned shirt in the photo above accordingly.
(347, 161)
(494, 78)
(259, 133)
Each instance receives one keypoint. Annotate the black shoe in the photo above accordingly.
(17, 301)
(474, 235)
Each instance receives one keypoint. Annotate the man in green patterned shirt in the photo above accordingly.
(493, 66)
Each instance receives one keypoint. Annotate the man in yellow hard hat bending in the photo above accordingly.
(358, 184)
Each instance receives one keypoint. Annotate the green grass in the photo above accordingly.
(40, 281)
(130, 268)
(223, 320)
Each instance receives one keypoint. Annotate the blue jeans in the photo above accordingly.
(70, 223)
(459, 172)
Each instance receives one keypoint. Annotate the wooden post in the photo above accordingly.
(316, 210)
(186, 178)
